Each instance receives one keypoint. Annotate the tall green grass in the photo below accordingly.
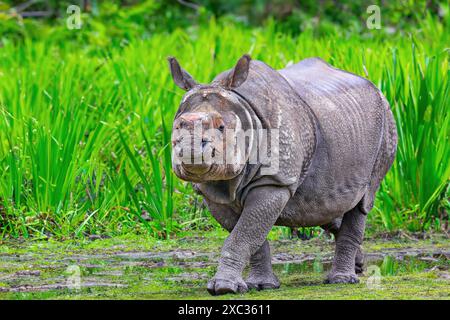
(84, 130)
(419, 91)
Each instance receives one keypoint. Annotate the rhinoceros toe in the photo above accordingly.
(341, 278)
(263, 281)
(218, 285)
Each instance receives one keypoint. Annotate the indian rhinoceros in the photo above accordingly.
(336, 140)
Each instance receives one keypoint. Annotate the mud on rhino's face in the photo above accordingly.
(206, 143)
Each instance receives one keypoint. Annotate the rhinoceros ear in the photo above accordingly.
(180, 76)
(239, 73)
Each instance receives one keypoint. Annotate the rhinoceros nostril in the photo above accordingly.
(204, 143)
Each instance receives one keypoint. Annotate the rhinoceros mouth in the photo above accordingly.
(196, 173)
(196, 169)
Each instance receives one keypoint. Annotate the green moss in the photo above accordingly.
(142, 268)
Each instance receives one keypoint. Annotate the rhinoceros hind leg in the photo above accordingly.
(333, 227)
(348, 242)
(359, 261)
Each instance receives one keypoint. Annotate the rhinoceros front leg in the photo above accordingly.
(261, 273)
(262, 208)
(348, 242)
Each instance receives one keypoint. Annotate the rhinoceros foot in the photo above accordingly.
(223, 284)
(263, 281)
(341, 278)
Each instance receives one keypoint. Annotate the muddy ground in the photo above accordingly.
(143, 268)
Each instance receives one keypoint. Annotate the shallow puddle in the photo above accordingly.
(175, 271)
(184, 273)
(390, 264)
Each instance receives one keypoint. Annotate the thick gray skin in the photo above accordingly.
(337, 141)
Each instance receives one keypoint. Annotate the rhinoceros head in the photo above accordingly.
(208, 125)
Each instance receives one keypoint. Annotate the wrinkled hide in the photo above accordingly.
(337, 140)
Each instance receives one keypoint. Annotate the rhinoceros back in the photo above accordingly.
(351, 113)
